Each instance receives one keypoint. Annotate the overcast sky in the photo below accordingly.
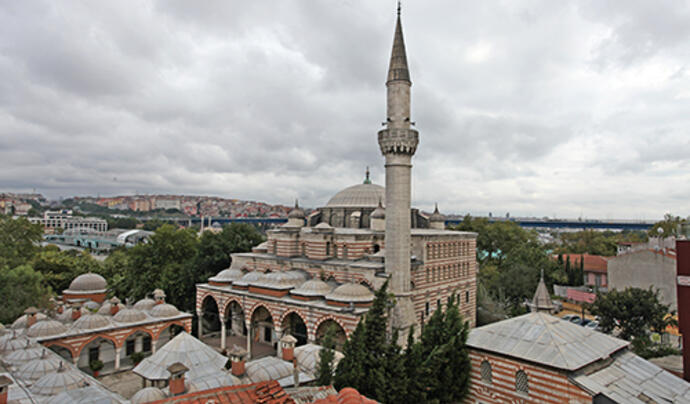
(530, 107)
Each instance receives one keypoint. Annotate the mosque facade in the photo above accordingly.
(322, 270)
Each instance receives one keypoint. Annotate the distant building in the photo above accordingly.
(594, 268)
(140, 205)
(52, 220)
(645, 268)
(166, 203)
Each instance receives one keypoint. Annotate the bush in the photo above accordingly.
(96, 365)
(137, 357)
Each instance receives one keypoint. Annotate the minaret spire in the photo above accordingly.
(397, 68)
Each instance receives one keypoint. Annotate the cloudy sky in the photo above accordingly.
(567, 108)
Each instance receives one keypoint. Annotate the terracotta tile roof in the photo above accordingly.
(268, 392)
(348, 395)
(592, 263)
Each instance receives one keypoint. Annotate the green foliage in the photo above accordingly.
(122, 222)
(21, 287)
(596, 242)
(510, 260)
(669, 226)
(633, 311)
(324, 372)
(60, 267)
(137, 357)
(645, 348)
(153, 224)
(96, 365)
(18, 241)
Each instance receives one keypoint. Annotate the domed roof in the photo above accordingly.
(358, 196)
(296, 212)
(91, 321)
(282, 279)
(164, 310)
(312, 287)
(21, 356)
(88, 282)
(379, 212)
(84, 395)
(55, 383)
(20, 322)
(145, 304)
(46, 328)
(250, 278)
(129, 315)
(436, 216)
(14, 341)
(65, 316)
(91, 305)
(227, 275)
(268, 368)
(351, 292)
(107, 306)
(146, 395)
(38, 367)
(200, 379)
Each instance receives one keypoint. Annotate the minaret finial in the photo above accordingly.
(296, 203)
(367, 180)
(436, 208)
(398, 8)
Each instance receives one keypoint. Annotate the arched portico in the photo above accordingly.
(261, 332)
(340, 335)
(101, 349)
(293, 324)
(209, 321)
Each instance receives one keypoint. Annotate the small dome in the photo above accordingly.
(146, 395)
(164, 310)
(312, 288)
(91, 306)
(13, 342)
(379, 212)
(91, 321)
(351, 292)
(38, 367)
(84, 395)
(227, 276)
(250, 278)
(210, 381)
(20, 322)
(268, 368)
(437, 216)
(22, 356)
(65, 316)
(55, 383)
(145, 304)
(323, 225)
(88, 282)
(106, 308)
(296, 212)
(46, 328)
(128, 315)
(358, 196)
(282, 280)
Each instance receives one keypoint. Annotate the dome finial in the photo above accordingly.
(398, 8)
(296, 203)
(436, 208)
(367, 180)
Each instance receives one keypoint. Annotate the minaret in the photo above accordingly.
(398, 143)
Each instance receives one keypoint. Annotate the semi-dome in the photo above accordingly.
(145, 304)
(38, 367)
(88, 282)
(351, 292)
(21, 321)
(358, 196)
(55, 383)
(46, 328)
(22, 356)
(164, 310)
(312, 288)
(91, 321)
(227, 276)
(129, 315)
(147, 395)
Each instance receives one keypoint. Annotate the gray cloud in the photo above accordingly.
(566, 108)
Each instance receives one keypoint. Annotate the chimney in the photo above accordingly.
(295, 372)
(30, 316)
(176, 383)
(76, 311)
(60, 308)
(159, 296)
(288, 347)
(114, 306)
(237, 356)
(4, 388)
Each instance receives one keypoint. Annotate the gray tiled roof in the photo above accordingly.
(631, 379)
(544, 339)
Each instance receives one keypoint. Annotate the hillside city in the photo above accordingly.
(363, 298)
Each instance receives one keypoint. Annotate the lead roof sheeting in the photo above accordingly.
(545, 339)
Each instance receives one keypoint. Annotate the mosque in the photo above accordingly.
(322, 269)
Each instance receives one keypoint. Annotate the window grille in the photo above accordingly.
(485, 370)
(521, 384)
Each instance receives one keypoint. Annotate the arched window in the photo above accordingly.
(521, 384)
(485, 371)
(467, 297)
(377, 248)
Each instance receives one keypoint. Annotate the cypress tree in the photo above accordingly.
(350, 370)
(568, 271)
(324, 373)
(581, 272)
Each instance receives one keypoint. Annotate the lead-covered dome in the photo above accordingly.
(351, 292)
(55, 383)
(227, 276)
(359, 196)
(88, 282)
(250, 278)
(22, 320)
(145, 304)
(39, 367)
(91, 321)
(312, 288)
(148, 394)
(164, 310)
(46, 328)
(129, 315)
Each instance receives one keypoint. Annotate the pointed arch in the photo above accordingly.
(95, 337)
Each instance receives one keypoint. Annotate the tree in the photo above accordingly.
(122, 222)
(153, 224)
(351, 370)
(59, 268)
(634, 311)
(669, 226)
(324, 372)
(21, 287)
(19, 240)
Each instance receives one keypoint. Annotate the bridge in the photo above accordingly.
(530, 223)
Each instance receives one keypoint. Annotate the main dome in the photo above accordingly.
(359, 196)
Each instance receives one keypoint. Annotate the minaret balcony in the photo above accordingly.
(402, 141)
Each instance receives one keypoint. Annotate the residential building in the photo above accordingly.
(644, 269)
